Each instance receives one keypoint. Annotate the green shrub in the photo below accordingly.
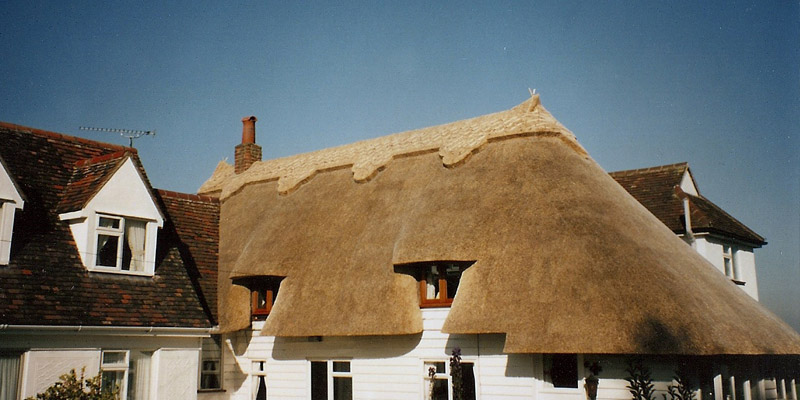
(640, 384)
(682, 390)
(69, 387)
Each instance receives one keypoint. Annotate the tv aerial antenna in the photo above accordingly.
(128, 133)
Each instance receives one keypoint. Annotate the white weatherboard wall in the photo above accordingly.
(48, 355)
(392, 367)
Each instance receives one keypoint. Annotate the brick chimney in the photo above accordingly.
(248, 152)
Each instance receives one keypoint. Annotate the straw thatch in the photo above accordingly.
(566, 260)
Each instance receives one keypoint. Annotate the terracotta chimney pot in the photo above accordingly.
(249, 129)
(248, 152)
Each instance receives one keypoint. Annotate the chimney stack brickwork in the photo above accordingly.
(248, 152)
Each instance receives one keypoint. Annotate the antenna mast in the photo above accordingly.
(128, 133)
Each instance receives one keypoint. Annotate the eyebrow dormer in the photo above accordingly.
(438, 280)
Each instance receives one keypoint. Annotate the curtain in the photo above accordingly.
(135, 234)
(139, 376)
(9, 377)
(430, 284)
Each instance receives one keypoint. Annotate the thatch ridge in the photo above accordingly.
(454, 141)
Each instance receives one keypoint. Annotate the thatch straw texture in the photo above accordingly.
(454, 142)
(566, 260)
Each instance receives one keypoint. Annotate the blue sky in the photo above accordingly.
(716, 84)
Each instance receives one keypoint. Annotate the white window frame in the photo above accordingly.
(445, 376)
(729, 265)
(118, 232)
(95, 230)
(331, 375)
(117, 367)
(218, 359)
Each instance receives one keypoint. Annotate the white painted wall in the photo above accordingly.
(687, 184)
(41, 368)
(48, 355)
(176, 373)
(10, 201)
(8, 191)
(710, 247)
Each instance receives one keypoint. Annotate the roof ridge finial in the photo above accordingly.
(534, 101)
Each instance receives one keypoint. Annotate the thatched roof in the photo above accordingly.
(565, 259)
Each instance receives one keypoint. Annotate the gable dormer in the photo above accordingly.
(112, 214)
(10, 201)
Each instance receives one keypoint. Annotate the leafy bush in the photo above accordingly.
(640, 384)
(69, 387)
(682, 390)
(456, 374)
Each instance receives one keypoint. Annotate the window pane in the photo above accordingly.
(134, 245)
(453, 275)
(107, 250)
(112, 381)
(437, 366)
(432, 282)
(439, 391)
(9, 376)
(341, 366)
(468, 380)
(113, 358)
(139, 375)
(211, 356)
(261, 303)
(261, 392)
(126, 255)
(209, 381)
(319, 380)
(564, 370)
(342, 388)
(106, 222)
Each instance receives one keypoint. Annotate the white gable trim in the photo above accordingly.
(10, 201)
(124, 195)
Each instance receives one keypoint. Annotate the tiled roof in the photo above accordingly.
(88, 176)
(654, 188)
(45, 282)
(195, 220)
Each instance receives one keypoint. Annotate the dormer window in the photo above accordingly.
(438, 280)
(263, 294)
(115, 227)
(263, 299)
(121, 243)
(10, 201)
(7, 209)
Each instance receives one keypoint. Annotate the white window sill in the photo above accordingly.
(119, 272)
